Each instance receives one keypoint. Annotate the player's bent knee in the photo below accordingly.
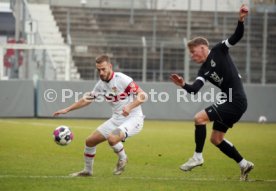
(89, 142)
(116, 136)
(215, 140)
(113, 140)
(94, 140)
(199, 120)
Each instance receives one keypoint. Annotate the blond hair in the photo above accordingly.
(197, 41)
(102, 58)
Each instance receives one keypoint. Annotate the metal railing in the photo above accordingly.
(155, 49)
(33, 37)
(150, 56)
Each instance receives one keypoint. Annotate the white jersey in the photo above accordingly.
(118, 92)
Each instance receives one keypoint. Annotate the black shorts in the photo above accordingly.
(225, 114)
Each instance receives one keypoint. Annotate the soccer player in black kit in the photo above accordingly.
(218, 68)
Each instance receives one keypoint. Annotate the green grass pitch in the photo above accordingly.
(30, 160)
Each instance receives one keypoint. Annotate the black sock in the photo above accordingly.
(200, 135)
(230, 151)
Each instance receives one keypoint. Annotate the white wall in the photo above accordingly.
(260, 101)
(5, 7)
(17, 99)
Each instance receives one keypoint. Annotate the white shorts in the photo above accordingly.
(132, 125)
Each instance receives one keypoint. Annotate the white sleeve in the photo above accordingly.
(201, 79)
(97, 90)
(125, 80)
(226, 42)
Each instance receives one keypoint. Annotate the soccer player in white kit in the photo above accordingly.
(125, 98)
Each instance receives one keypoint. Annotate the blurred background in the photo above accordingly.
(47, 41)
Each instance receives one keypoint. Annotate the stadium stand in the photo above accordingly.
(50, 35)
(97, 30)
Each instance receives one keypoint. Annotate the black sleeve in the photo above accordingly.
(237, 34)
(193, 88)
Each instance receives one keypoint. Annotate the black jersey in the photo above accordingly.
(220, 70)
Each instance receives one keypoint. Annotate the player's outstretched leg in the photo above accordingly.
(120, 167)
(122, 158)
(89, 154)
(228, 149)
(82, 173)
(245, 170)
(197, 159)
(191, 163)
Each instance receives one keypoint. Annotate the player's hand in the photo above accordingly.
(62, 111)
(243, 12)
(178, 80)
(126, 111)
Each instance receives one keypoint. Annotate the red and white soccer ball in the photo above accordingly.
(63, 135)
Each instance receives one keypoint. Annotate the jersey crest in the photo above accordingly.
(114, 90)
(213, 64)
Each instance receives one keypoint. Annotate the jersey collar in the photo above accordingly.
(112, 75)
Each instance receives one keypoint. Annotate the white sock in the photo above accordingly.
(89, 154)
(198, 156)
(119, 150)
(243, 163)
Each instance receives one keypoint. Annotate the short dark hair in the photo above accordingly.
(197, 41)
(102, 58)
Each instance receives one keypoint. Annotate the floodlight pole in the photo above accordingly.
(68, 28)
(67, 64)
(248, 48)
(131, 19)
(264, 57)
(144, 72)
(154, 20)
(1, 63)
(216, 14)
(188, 36)
(161, 61)
(17, 13)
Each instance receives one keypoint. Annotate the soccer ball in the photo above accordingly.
(63, 135)
(262, 119)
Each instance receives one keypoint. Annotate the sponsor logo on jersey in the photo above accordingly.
(216, 78)
(213, 64)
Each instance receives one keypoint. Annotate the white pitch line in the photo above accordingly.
(134, 178)
(195, 179)
(42, 124)
(32, 176)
